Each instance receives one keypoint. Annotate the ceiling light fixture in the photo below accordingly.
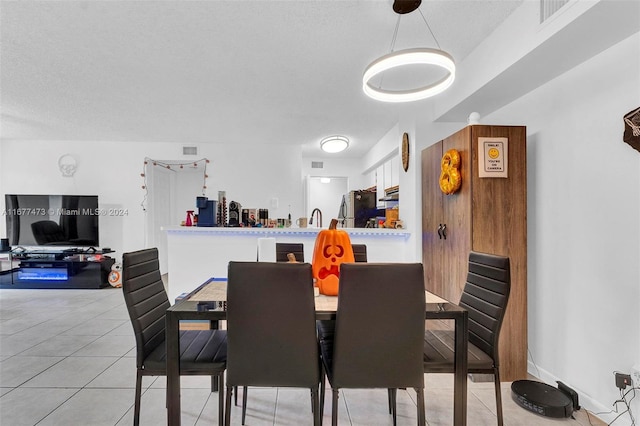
(334, 144)
(403, 58)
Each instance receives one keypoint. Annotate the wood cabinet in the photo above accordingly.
(486, 215)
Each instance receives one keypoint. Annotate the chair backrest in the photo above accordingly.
(271, 335)
(379, 330)
(146, 299)
(359, 252)
(283, 249)
(47, 231)
(485, 296)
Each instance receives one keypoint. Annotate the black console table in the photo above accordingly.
(70, 268)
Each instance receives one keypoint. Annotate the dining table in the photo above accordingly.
(208, 302)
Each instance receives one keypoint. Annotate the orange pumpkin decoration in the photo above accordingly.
(333, 247)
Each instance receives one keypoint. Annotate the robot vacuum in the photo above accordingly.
(542, 399)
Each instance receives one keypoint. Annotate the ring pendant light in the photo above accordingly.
(408, 57)
(419, 56)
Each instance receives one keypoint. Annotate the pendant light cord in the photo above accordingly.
(395, 34)
(403, 58)
(427, 24)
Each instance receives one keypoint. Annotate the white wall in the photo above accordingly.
(112, 171)
(583, 225)
(339, 167)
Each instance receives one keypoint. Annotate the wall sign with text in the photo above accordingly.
(493, 154)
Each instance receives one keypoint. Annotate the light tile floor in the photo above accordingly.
(67, 357)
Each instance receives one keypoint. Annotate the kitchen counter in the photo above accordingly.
(267, 232)
(194, 254)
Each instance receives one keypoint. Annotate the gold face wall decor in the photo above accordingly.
(405, 151)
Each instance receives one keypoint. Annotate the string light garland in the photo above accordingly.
(175, 166)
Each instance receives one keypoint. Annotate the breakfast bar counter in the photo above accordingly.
(196, 253)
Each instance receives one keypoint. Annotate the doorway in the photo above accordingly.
(171, 191)
(325, 193)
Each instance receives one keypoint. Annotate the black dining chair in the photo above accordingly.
(485, 296)
(359, 252)
(327, 327)
(202, 352)
(283, 249)
(390, 358)
(282, 255)
(271, 329)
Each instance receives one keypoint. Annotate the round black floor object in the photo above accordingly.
(541, 398)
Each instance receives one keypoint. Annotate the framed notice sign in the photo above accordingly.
(492, 157)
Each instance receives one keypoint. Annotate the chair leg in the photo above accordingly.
(214, 383)
(235, 395)
(136, 404)
(421, 414)
(496, 378)
(315, 406)
(220, 399)
(244, 403)
(323, 378)
(394, 411)
(227, 411)
(334, 407)
(389, 397)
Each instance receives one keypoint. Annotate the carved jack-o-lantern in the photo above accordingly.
(332, 248)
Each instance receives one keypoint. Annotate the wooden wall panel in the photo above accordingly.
(457, 216)
(432, 245)
(487, 215)
(500, 210)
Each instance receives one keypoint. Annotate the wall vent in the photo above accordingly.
(317, 164)
(549, 7)
(189, 150)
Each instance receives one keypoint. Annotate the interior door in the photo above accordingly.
(432, 215)
(457, 218)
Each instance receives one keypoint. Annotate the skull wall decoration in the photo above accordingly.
(67, 165)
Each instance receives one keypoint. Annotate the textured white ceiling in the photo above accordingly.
(214, 71)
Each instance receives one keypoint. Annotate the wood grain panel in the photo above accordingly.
(457, 216)
(432, 245)
(499, 210)
(487, 215)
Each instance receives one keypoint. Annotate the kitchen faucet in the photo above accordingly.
(319, 217)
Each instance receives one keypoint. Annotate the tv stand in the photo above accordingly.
(51, 268)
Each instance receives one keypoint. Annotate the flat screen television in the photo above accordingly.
(52, 220)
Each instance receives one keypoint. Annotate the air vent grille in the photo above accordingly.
(317, 164)
(549, 7)
(189, 150)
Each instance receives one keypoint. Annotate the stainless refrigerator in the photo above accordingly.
(357, 208)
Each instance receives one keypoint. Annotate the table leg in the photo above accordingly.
(172, 336)
(460, 384)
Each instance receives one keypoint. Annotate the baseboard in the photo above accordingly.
(586, 402)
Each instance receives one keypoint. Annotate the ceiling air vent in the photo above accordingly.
(189, 150)
(549, 7)
(317, 164)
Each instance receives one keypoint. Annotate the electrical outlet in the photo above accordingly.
(622, 380)
(635, 375)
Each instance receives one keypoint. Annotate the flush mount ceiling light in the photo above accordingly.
(408, 57)
(334, 144)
